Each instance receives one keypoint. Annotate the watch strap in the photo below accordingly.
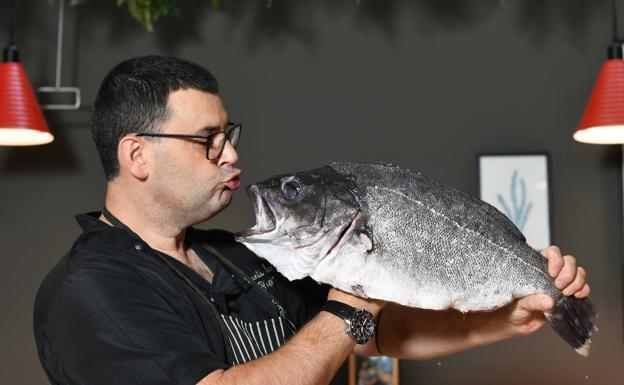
(360, 322)
(339, 309)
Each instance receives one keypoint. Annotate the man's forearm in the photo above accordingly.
(311, 357)
(421, 334)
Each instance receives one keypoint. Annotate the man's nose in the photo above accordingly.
(229, 154)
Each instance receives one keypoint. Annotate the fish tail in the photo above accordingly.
(573, 320)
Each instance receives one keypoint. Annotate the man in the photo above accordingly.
(143, 298)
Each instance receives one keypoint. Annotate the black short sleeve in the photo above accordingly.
(105, 326)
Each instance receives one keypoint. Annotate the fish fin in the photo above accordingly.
(358, 290)
(366, 241)
(573, 320)
(365, 236)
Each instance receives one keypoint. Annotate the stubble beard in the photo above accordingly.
(190, 203)
(203, 210)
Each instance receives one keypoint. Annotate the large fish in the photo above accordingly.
(379, 231)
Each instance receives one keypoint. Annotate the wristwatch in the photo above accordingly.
(360, 322)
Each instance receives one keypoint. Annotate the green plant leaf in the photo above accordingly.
(147, 12)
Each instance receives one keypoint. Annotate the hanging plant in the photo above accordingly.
(147, 12)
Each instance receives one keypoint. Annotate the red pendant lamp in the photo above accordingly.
(21, 120)
(603, 119)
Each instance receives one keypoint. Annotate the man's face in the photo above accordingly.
(182, 180)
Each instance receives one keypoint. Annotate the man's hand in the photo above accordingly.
(525, 315)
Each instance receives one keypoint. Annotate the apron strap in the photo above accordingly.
(224, 332)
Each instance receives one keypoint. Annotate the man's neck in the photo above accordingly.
(157, 229)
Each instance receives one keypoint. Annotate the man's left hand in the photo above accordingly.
(526, 315)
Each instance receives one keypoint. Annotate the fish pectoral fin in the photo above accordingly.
(366, 241)
(358, 290)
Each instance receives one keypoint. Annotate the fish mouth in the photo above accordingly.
(266, 222)
(269, 219)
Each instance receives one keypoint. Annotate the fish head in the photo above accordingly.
(301, 218)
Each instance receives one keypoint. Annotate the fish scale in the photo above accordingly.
(473, 265)
(379, 231)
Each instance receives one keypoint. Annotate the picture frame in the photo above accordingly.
(519, 186)
(380, 370)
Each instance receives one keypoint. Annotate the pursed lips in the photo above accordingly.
(233, 182)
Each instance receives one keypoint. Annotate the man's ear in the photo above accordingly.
(131, 157)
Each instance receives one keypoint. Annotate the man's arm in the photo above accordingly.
(311, 357)
(421, 334)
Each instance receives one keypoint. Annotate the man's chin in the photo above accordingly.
(215, 206)
(211, 212)
(226, 199)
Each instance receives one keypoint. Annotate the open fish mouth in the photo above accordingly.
(265, 216)
(269, 220)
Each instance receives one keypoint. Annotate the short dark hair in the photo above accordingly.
(133, 99)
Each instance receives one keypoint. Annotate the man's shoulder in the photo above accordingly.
(92, 264)
(93, 253)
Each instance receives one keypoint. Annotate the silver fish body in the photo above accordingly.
(380, 231)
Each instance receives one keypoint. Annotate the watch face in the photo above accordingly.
(362, 326)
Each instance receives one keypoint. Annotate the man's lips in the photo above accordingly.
(234, 182)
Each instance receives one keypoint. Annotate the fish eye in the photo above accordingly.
(290, 189)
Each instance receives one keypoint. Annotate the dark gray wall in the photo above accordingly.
(423, 84)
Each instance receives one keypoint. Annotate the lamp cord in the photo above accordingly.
(11, 23)
(615, 23)
(10, 54)
(616, 48)
(59, 44)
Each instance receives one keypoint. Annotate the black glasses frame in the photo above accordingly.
(231, 129)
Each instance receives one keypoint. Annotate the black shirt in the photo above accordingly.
(115, 311)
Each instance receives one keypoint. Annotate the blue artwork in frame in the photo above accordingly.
(517, 207)
(518, 186)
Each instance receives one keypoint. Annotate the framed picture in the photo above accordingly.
(518, 185)
(380, 370)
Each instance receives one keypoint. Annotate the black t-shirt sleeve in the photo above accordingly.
(105, 327)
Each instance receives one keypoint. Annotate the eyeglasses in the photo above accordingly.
(214, 142)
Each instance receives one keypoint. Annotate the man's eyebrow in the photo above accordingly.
(207, 130)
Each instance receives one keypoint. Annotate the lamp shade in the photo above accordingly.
(603, 119)
(21, 120)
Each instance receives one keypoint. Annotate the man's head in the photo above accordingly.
(133, 99)
(171, 177)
